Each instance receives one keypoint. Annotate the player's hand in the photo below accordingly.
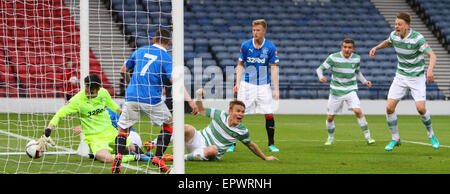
(372, 52)
(323, 79)
(236, 88)
(368, 84)
(430, 77)
(43, 143)
(276, 95)
(194, 108)
(271, 158)
(200, 92)
(77, 130)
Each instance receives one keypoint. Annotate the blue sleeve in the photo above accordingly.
(243, 53)
(273, 55)
(167, 67)
(131, 60)
(114, 117)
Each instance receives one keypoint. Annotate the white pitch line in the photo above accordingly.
(68, 151)
(344, 140)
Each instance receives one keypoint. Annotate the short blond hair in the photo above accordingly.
(261, 22)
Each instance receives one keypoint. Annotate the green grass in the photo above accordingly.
(299, 137)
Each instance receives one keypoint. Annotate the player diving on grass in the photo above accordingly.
(224, 130)
(99, 134)
(410, 47)
(345, 69)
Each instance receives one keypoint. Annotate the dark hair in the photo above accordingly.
(349, 40)
(236, 102)
(93, 81)
(404, 16)
(162, 36)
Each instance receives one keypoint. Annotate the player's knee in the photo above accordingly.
(330, 118)
(421, 110)
(390, 110)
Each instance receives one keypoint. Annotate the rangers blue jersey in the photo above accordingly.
(257, 61)
(151, 66)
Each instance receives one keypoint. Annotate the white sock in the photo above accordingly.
(393, 126)
(364, 127)
(330, 129)
(426, 120)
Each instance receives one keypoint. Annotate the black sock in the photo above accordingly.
(162, 142)
(121, 142)
(138, 149)
(270, 127)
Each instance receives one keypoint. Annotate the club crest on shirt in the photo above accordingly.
(264, 53)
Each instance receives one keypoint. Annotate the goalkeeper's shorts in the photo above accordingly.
(103, 140)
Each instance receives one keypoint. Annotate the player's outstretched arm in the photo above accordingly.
(382, 45)
(239, 70)
(255, 149)
(198, 101)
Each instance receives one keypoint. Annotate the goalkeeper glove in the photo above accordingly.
(45, 140)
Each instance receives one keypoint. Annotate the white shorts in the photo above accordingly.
(257, 98)
(196, 144)
(335, 103)
(401, 84)
(131, 113)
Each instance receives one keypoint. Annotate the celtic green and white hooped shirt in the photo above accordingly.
(219, 133)
(410, 52)
(343, 73)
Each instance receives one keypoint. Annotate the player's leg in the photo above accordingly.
(330, 129)
(364, 125)
(418, 92)
(392, 122)
(396, 92)
(127, 119)
(264, 105)
(353, 102)
(334, 106)
(160, 116)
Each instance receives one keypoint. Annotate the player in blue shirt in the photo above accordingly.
(258, 59)
(151, 65)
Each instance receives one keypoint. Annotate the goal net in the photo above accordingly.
(48, 47)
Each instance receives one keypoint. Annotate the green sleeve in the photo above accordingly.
(110, 102)
(67, 109)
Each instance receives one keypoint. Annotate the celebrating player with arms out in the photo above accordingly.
(99, 133)
(224, 130)
(410, 75)
(257, 56)
(344, 67)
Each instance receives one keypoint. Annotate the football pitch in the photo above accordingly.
(300, 139)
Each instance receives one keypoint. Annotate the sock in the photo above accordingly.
(270, 127)
(138, 149)
(163, 140)
(330, 128)
(426, 120)
(364, 127)
(393, 127)
(196, 155)
(121, 141)
(126, 158)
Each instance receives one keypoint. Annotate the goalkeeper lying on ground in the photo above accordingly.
(223, 131)
(100, 134)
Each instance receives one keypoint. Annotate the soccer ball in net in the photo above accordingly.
(32, 149)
